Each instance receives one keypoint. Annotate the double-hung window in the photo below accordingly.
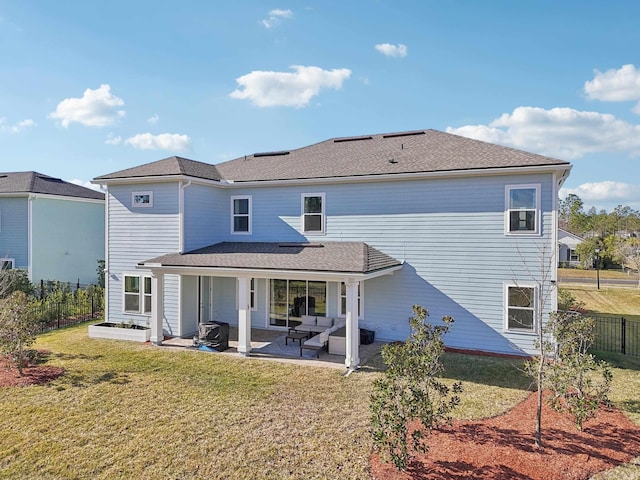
(137, 294)
(313, 213)
(522, 209)
(241, 215)
(521, 301)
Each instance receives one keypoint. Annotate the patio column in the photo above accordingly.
(157, 289)
(352, 358)
(244, 316)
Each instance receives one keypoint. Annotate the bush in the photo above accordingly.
(17, 329)
(410, 391)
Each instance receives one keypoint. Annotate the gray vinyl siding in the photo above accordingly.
(14, 230)
(450, 233)
(138, 234)
(205, 211)
(61, 252)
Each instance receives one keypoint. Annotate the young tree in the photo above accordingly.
(410, 391)
(12, 280)
(627, 252)
(17, 328)
(578, 381)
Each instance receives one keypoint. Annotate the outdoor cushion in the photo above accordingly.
(323, 337)
(308, 320)
(325, 322)
(314, 342)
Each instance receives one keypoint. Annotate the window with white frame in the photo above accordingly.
(522, 209)
(7, 263)
(343, 299)
(521, 301)
(142, 199)
(241, 214)
(137, 294)
(313, 216)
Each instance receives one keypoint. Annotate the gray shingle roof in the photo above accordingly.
(34, 182)
(420, 151)
(394, 153)
(349, 257)
(168, 166)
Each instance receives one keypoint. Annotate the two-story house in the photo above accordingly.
(361, 228)
(51, 228)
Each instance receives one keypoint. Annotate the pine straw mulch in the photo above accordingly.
(34, 374)
(503, 447)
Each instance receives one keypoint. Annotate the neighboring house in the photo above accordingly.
(567, 244)
(361, 228)
(51, 228)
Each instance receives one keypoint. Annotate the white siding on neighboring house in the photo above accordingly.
(139, 233)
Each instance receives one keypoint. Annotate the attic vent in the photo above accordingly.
(405, 134)
(351, 139)
(300, 245)
(271, 154)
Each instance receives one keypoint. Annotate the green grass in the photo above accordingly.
(592, 274)
(126, 410)
(608, 300)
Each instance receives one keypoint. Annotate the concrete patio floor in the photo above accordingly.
(260, 337)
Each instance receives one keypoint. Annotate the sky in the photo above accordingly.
(90, 87)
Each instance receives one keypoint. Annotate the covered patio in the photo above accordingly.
(342, 263)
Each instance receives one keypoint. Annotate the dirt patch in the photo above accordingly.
(503, 448)
(34, 374)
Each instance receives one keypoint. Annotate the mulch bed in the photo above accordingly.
(503, 448)
(33, 374)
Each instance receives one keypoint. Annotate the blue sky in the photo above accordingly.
(91, 87)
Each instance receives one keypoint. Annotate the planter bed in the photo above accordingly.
(115, 331)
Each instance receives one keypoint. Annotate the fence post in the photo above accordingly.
(623, 340)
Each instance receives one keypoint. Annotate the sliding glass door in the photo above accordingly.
(290, 299)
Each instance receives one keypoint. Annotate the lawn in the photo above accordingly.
(607, 300)
(127, 410)
(592, 274)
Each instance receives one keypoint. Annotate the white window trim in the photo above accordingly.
(141, 294)
(342, 314)
(250, 215)
(323, 215)
(141, 205)
(507, 220)
(522, 331)
(12, 261)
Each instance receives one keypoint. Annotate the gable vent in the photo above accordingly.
(271, 154)
(351, 139)
(405, 134)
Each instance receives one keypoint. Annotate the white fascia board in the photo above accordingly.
(263, 273)
(65, 197)
(156, 179)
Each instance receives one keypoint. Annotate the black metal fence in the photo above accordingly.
(58, 311)
(617, 334)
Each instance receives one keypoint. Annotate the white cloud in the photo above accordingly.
(17, 127)
(560, 132)
(398, 51)
(164, 141)
(113, 139)
(605, 195)
(622, 85)
(86, 184)
(153, 120)
(96, 108)
(275, 17)
(272, 89)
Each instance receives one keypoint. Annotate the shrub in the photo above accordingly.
(411, 392)
(17, 329)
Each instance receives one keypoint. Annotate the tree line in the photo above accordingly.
(613, 235)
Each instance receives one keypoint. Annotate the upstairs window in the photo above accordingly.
(520, 308)
(313, 220)
(523, 209)
(141, 199)
(241, 215)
